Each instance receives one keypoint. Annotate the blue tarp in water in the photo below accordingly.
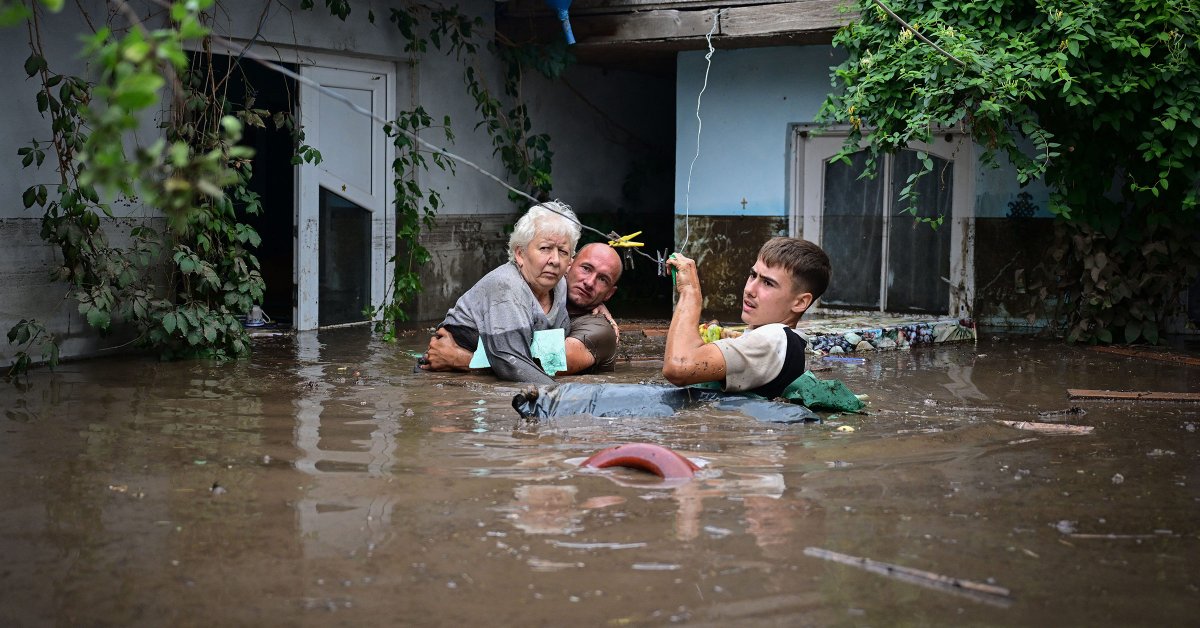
(644, 400)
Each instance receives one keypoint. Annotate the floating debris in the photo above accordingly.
(597, 545)
(1050, 428)
(1072, 411)
(977, 591)
(541, 564)
(1131, 395)
(656, 567)
(1065, 526)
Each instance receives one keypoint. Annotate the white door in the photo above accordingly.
(883, 257)
(343, 224)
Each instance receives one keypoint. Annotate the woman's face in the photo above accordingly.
(544, 261)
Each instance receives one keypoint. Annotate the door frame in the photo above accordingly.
(311, 177)
(810, 146)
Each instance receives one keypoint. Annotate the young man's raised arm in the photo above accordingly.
(688, 360)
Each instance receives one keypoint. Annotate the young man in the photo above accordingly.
(592, 344)
(785, 280)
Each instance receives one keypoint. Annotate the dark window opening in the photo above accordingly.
(345, 260)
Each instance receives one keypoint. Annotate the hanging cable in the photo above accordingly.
(687, 198)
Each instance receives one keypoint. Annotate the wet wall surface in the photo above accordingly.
(322, 482)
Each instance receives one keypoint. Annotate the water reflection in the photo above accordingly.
(768, 513)
(961, 385)
(545, 509)
(358, 487)
(346, 449)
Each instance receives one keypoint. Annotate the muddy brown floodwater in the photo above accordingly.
(322, 482)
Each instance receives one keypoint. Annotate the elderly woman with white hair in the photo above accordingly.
(501, 313)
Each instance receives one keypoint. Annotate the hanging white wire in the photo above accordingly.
(687, 198)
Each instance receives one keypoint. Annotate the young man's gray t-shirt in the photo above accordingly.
(759, 357)
(501, 311)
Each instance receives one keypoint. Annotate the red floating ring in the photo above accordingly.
(656, 459)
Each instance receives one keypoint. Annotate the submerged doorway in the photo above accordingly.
(252, 86)
(325, 227)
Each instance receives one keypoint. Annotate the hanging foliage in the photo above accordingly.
(198, 176)
(1099, 100)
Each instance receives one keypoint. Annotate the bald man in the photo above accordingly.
(592, 344)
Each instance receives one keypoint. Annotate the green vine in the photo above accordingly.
(526, 156)
(1099, 100)
(198, 175)
(415, 208)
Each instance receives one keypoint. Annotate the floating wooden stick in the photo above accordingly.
(1160, 356)
(1145, 395)
(1050, 428)
(978, 591)
(1113, 536)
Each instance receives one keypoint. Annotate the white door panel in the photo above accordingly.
(354, 168)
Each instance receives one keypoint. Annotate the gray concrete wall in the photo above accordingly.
(26, 261)
(601, 124)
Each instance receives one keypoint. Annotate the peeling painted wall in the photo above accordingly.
(25, 266)
(725, 247)
(464, 249)
(752, 97)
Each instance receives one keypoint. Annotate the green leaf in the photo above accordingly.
(20, 333)
(138, 91)
(191, 28)
(136, 51)
(168, 322)
(98, 318)
(13, 13)
(1133, 329)
(34, 64)
(1150, 330)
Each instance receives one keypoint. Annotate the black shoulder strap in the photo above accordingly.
(793, 367)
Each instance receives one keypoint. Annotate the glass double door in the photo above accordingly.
(885, 254)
